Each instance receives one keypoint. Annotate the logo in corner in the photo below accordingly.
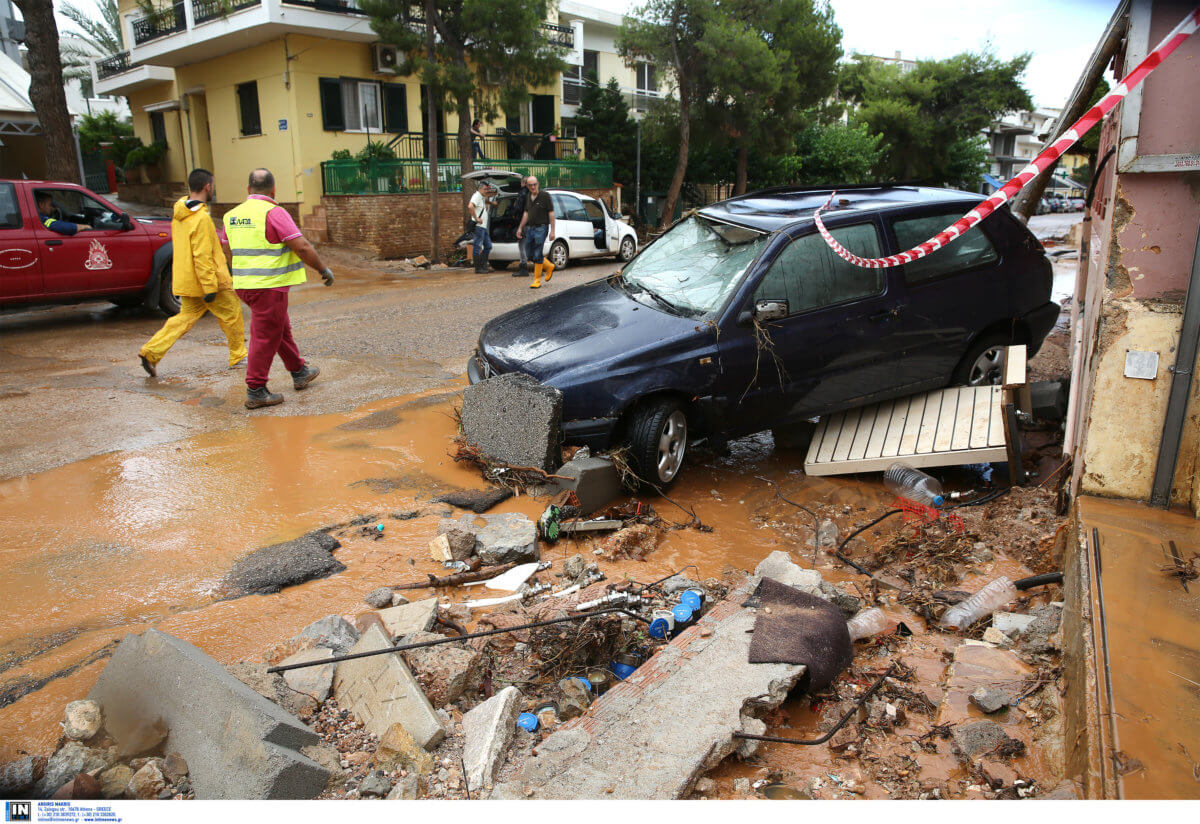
(18, 811)
(97, 257)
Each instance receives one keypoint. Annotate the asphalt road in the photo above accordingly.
(71, 385)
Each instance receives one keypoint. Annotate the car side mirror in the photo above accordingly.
(769, 310)
(126, 222)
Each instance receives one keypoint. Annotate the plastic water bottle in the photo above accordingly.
(983, 603)
(867, 623)
(913, 484)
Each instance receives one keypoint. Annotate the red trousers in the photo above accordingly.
(270, 334)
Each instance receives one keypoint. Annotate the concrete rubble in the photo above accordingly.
(595, 482)
(406, 619)
(314, 682)
(487, 729)
(236, 743)
(506, 538)
(514, 420)
(446, 671)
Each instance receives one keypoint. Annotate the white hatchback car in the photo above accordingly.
(584, 226)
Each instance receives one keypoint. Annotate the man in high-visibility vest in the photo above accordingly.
(268, 257)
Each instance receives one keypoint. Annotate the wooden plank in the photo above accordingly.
(831, 435)
(1014, 365)
(912, 427)
(953, 458)
(947, 418)
(929, 421)
(866, 428)
(846, 436)
(814, 446)
(981, 423)
(996, 418)
(883, 423)
(964, 419)
(900, 414)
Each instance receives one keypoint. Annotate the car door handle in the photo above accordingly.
(54, 243)
(885, 315)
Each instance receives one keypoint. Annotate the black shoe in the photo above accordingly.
(522, 271)
(149, 367)
(260, 397)
(304, 376)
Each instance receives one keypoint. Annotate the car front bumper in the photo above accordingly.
(1039, 322)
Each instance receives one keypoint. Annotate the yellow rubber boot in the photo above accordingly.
(537, 276)
(548, 271)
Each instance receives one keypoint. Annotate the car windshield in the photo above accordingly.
(694, 267)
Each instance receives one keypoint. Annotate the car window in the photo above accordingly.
(808, 275)
(74, 206)
(968, 251)
(568, 207)
(594, 212)
(10, 212)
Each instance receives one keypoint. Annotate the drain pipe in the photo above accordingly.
(1181, 388)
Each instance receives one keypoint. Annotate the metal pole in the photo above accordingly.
(79, 156)
(637, 189)
(1181, 388)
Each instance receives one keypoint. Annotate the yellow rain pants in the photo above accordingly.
(226, 307)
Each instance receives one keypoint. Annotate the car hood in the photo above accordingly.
(584, 326)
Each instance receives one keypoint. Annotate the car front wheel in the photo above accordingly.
(558, 254)
(628, 247)
(983, 365)
(168, 301)
(658, 440)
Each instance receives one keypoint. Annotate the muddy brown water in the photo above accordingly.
(142, 538)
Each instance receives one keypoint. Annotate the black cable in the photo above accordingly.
(1038, 580)
(838, 552)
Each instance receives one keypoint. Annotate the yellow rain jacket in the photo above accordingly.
(198, 266)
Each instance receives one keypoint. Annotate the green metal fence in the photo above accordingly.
(389, 177)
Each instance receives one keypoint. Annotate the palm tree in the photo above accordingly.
(92, 38)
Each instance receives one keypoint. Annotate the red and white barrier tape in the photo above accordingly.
(1051, 153)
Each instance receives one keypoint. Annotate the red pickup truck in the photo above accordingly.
(122, 259)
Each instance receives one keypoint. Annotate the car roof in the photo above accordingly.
(777, 208)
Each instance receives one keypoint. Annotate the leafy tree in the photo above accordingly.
(931, 116)
(46, 89)
(486, 55)
(97, 38)
(104, 127)
(603, 118)
(835, 153)
(768, 61)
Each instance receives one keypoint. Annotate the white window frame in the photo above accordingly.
(352, 106)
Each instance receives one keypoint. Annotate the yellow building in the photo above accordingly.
(230, 85)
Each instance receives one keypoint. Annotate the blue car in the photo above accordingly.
(740, 318)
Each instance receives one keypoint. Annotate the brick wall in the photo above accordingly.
(397, 226)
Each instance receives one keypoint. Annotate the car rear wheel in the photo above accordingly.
(559, 255)
(983, 365)
(168, 301)
(658, 440)
(628, 248)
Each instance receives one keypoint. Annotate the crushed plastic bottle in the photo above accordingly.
(867, 623)
(913, 484)
(983, 603)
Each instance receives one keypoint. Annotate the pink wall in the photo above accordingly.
(1171, 95)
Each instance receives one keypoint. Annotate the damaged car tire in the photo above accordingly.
(658, 440)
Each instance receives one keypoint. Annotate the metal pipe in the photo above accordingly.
(1181, 388)
(774, 739)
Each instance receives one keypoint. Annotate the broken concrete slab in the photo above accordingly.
(315, 682)
(1039, 635)
(381, 690)
(1012, 624)
(333, 632)
(779, 566)
(409, 618)
(654, 734)
(515, 420)
(595, 482)
(487, 729)
(237, 744)
(272, 568)
(445, 671)
(459, 535)
(272, 687)
(507, 538)
(978, 737)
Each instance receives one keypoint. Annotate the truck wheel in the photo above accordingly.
(168, 302)
(628, 248)
(658, 440)
(558, 254)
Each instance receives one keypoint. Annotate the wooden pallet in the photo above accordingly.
(946, 427)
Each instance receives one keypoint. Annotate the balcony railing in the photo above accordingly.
(505, 147)
(113, 65)
(386, 177)
(641, 99)
(336, 6)
(563, 36)
(162, 22)
(205, 10)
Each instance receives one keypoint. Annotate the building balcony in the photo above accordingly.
(118, 75)
(638, 100)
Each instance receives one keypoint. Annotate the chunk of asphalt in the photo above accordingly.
(237, 744)
(274, 567)
(515, 420)
(476, 500)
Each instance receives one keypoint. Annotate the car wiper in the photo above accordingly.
(673, 308)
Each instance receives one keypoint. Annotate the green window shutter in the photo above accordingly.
(395, 108)
(332, 117)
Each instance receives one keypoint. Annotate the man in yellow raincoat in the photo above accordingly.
(200, 277)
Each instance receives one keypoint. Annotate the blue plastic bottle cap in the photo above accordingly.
(682, 613)
(693, 598)
(585, 682)
(379, 527)
(938, 500)
(527, 721)
(659, 628)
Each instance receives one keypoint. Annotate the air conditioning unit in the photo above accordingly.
(384, 58)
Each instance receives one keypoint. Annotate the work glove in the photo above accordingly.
(327, 276)
(209, 297)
